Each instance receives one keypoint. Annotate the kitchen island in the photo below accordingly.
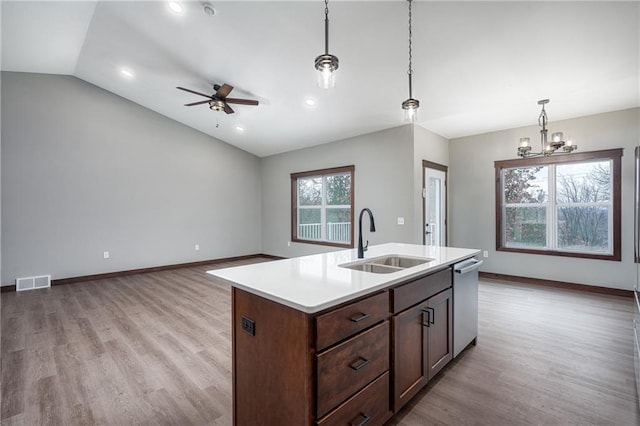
(318, 342)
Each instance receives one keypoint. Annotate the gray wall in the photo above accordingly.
(85, 171)
(472, 189)
(431, 147)
(383, 182)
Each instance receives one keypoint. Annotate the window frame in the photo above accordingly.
(613, 155)
(294, 204)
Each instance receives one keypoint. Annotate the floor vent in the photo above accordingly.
(32, 283)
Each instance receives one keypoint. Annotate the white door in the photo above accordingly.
(435, 214)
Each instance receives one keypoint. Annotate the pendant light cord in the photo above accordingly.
(326, 27)
(410, 72)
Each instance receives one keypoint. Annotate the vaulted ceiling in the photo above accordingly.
(478, 66)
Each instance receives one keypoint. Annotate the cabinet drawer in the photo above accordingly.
(409, 294)
(348, 367)
(351, 319)
(370, 406)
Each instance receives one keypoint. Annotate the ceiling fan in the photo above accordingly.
(219, 101)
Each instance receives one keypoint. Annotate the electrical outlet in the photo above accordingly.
(105, 255)
(249, 326)
(288, 243)
(197, 247)
(485, 253)
(401, 221)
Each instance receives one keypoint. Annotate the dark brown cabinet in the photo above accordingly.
(347, 365)
(440, 336)
(422, 336)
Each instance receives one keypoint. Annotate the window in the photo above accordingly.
(322, 206)
(565, 206)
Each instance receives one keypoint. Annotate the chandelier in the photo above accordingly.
(326, 64)
(547, 147)
(410, 106)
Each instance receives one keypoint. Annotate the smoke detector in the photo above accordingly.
(208, 8)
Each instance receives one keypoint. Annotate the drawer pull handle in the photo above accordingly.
(359, 318)
(362, 422)
(359, 364)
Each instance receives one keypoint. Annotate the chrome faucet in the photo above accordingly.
(372, 228)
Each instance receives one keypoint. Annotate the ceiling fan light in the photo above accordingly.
(216, 105)
(327, 65)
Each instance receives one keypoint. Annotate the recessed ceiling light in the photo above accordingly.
(310, 102)
(239, 129)
(126, 73)
(175, 7)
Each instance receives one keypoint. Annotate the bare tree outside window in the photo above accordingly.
(583, 197)
(567, 205)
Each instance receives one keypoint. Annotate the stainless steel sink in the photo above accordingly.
(386, 264)
(401, 261)
(372, 267)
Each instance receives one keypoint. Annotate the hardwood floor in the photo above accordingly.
(155, 349)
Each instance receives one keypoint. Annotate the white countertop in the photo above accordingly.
(314, 283)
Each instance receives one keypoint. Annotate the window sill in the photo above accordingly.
(323, 243)
(614, 257)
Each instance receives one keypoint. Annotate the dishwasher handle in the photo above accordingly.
(469, 268)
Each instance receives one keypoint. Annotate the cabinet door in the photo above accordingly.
(440, 337)
(409, 354)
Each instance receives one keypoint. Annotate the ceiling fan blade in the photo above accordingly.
(224, 91)
(194, 92)
(228, 109)
(197, 103)
(241, 101)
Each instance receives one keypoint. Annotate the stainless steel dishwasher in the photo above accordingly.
(465, 304)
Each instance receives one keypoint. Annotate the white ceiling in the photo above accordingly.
(478, 66)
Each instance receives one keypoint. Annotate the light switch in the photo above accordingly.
(401, 221)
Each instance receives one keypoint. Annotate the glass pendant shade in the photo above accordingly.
(410, 108)
(326, 66)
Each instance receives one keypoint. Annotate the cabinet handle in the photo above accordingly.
(358, 365)
(433, 315)
(362, 422)
(428, 312)
(359, 318)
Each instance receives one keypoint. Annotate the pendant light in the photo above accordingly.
(410, 106)
(546, 148)
(326, 64)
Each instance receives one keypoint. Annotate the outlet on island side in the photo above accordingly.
(249, 326)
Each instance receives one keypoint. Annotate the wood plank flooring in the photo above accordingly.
(155, 349)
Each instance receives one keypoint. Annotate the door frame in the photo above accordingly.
(435, 166)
